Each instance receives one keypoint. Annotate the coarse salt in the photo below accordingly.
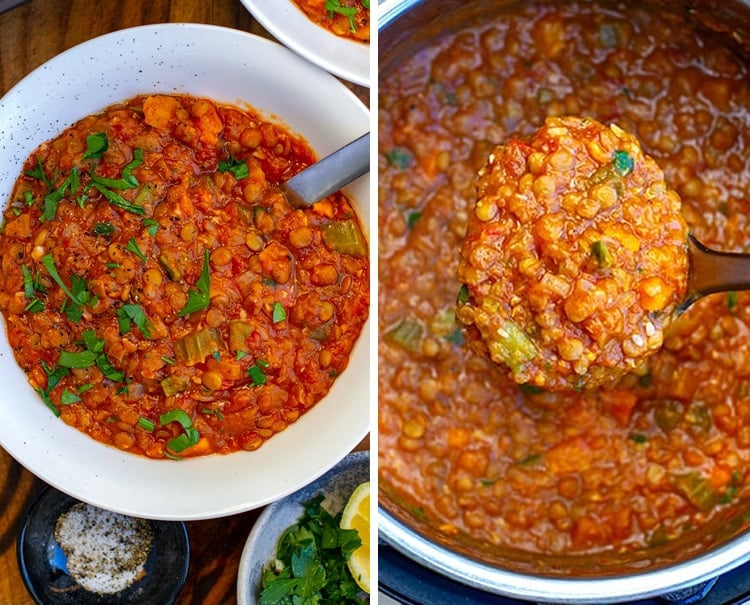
(106, 551)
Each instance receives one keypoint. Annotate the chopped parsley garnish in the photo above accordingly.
(278, 313)
(334, 6)
(463, 295)
(116, 199)
(200, 296)
(238, 168)
(151, 225)
(77, 359)
(399, 157)
(127, 180)
(69, 398)
(96, 145)
(133, 314)
(622, 162)
(146, 424)
(731, 301)
(190, 435)
(92, 355)
(31, 286)
(53, 198)
(78, 293)
(104, 229)
(257, 375)
(312, 556)
(132, 246)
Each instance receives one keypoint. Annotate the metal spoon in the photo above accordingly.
(713, 271)
(330, 174)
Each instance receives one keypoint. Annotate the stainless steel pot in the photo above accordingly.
(403, 26)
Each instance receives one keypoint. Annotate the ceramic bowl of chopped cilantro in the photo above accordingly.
(345, 54)
(302, 532)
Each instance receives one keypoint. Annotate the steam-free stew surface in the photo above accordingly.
(161, 295)
(461, 446)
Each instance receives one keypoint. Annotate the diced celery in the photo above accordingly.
(406, 334)
(346, 237)
(512, 346)
(196, 346)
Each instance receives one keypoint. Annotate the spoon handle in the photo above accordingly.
(329, 174)
(713, 271)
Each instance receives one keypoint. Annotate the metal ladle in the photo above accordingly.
(330, 174)
(713, 271)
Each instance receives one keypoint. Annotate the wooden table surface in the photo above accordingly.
(30, 34)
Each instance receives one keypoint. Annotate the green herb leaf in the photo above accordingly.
(334, 6)
(151, 225)
(69, 398)
(135, 314)
(146, 424)
(96, 145)
(176, 415)
(622, 163)
(279, 313)
(80, 359)
(199, 297)
(132, 246)
(399, 157)
(116, 199)
(257, 375)
(238, 168)
(127, 180)
(312, 555)
(104, 229)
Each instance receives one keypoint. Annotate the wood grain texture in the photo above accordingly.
(31, 34)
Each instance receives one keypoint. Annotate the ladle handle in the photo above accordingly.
(330, 174)
(713, 271)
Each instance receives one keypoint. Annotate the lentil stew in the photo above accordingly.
(575, 259)
(161, 294)
(646, 471)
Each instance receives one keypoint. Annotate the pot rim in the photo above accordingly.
(614, 589)
(683, 575)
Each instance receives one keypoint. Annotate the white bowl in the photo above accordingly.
(345, 58)
(260, 549)
(232, 67)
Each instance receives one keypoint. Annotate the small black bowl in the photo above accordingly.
(42, 562)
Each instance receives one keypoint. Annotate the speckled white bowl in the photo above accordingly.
(260, 549)
(232, 67)
(345, 58)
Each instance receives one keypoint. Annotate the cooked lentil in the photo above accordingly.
(575, 258)
(659, 455)
(159, 291)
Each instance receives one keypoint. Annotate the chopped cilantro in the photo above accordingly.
(96, 145)
(200, 296)
(312, 556)
(278, 313)
(104, 229)
(238, 168)
(334, 6)
(622, 162)
(399, 157)
(133, 314)
(132, 246)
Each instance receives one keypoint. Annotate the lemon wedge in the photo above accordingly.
(356, 515)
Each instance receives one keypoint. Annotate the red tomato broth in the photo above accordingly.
(652, 465)
(280, 313)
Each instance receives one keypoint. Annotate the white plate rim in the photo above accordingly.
(212, 486)
(345, 58)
